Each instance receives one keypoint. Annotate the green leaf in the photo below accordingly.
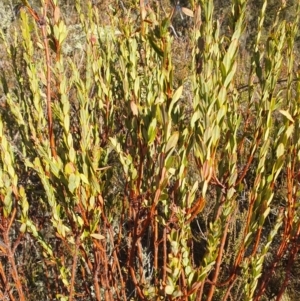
(69, 168)
(72, 154)
(172, 142)
(177, 293)
(230, 75)
(84, 179)
(266, 213)
(151, 133)
(287, 115)
(97, 236)
(23, 228)
(169, 289)
(196, 116)
(280, 150)
(74, 181)
(290, 130)
(191, 278)
(229, 56)
(175, 98)
(156, 48)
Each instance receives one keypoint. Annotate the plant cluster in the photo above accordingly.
(143, 160)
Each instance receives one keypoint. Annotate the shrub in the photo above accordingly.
(123, 178)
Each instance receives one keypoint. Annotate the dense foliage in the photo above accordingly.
(149, 151)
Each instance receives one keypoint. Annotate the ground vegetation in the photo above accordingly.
(149, 150)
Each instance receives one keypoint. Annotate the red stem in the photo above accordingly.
(218, 262)
(11, 259)
(74, 268)
(48, 64)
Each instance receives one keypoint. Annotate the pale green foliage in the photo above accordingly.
(137, 166)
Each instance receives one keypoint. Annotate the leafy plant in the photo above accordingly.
(119, 180)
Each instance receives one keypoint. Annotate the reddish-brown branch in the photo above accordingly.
(17, 242)
(227, 294)
(242, 248)
(41, 20)
(218, 262)
(74, 268)
(6, 285)
(141, 165)
(96, 273)
(130, 262)
(115, 246)
(123, 291)
(42, 23)
(13, 215)
(257, 240)
(200, 291)
(140, 259)
(9, 253)
(197, 286)
(156, 246)
(151, 214)
(267, 276)
(291, 260)
(250, 159)
(86, 258)
(291, 201)
(165, 256)
(183, 286)
(140, 228)
(136, 283)
(49, 102)
(13, 269)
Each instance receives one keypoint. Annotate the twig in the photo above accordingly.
(43, 25)
(280, 81)
(218, 262)
(74, 267)
(11, 259)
